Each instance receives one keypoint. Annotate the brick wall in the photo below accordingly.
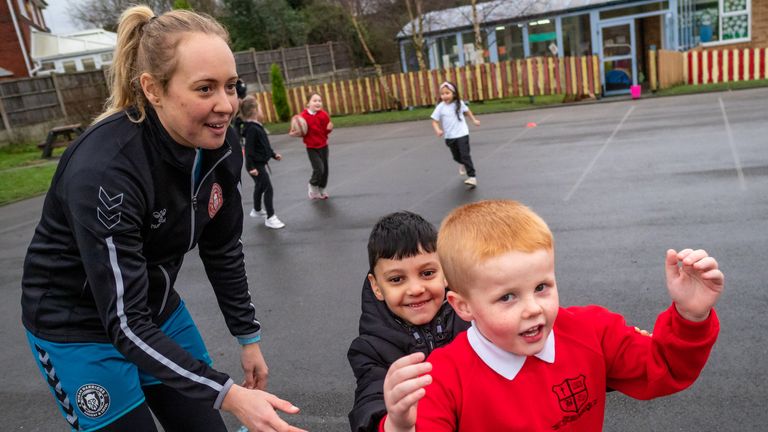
(11, 57)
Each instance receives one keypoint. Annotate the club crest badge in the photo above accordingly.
(93, 400)
(216, 200)
(572, 393)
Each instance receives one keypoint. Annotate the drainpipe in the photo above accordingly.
(20, 36)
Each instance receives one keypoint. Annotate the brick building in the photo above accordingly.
(17, 19)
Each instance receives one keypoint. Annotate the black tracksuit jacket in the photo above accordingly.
(383, 339)
(122, 211)
(258, 151)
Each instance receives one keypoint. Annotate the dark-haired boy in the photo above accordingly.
(404, 309)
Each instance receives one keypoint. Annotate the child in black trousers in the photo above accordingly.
(258, 152)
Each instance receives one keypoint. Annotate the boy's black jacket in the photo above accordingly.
(383, 339)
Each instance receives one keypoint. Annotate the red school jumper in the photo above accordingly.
(317, 129)
(594, 348)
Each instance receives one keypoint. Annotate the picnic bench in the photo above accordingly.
(60, 136)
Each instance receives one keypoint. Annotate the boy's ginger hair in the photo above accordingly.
(475, 232)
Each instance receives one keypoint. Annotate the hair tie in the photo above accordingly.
(449, 85)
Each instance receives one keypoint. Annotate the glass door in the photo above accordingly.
(618, 66)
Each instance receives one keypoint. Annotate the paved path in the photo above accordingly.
(618, 182)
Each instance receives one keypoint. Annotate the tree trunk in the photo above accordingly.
(417, 32)
(479, 53)
(379, 72)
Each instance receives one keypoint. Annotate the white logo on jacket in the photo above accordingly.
(107, 217)
(159, 218)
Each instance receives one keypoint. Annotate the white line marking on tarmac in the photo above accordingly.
(736, 159)
(599, 153)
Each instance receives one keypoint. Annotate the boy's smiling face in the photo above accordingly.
(413, 287)
(513, 300)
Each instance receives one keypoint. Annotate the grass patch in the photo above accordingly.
(704, 88)
(22, 173)
(422, 113)
(16, 184)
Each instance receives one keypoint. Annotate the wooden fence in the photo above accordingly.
(306, 61)
(725, 65)
(78, 97)
(527, 77)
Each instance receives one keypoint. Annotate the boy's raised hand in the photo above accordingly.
(403, 388)
(695, 284)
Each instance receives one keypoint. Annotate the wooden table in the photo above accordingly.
(68, 132)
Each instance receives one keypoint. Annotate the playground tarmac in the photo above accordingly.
(618, 182)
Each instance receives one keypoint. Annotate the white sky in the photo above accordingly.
(57, 16)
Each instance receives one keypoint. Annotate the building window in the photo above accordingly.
(541, 35)
(471, 55)
(447, 52)
(411, 62)
(106, 57)
(577, 36)
(89, 64)
(721, 20)
(69, 66)
(46, 66)
(509, 40)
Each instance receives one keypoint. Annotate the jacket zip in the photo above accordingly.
(195, 192)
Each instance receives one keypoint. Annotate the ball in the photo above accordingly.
(298, 126)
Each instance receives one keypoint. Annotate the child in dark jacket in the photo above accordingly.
(258, 152)
(403, 309)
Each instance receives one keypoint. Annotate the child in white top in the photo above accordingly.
(448, 122)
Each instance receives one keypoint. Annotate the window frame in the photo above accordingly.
(721, 15)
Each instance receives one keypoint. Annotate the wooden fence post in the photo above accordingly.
(256, 68)
(58, 95)
(285, 65)
(309, 61)
(4, 115)
(333, 58)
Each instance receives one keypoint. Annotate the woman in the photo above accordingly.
(156, 175)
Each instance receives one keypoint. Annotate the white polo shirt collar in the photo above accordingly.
(502, 362)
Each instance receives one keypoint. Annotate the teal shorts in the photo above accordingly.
(94, 385)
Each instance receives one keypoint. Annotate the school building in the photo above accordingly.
(619, 32)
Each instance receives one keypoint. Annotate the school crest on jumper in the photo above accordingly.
(572, 393)
(216, 200)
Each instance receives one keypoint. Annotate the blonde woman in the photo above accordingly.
(156, 175)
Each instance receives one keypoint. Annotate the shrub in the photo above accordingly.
(279, 94)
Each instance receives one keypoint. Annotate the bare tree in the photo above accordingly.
(417, 30)
(355, 10)
(106, 13)
(481, 13)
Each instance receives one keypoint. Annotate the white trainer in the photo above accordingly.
(471, 181)
(323, 193)
(254, 213)
(313, 192)
(462, 170)
(274, 223)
